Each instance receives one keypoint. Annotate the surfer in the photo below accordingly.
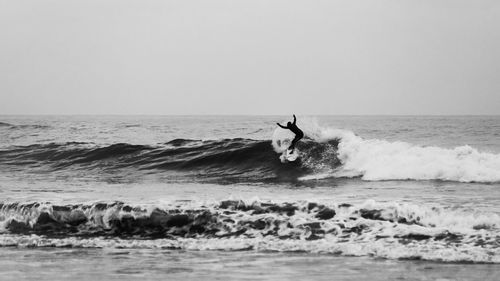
(298, 132)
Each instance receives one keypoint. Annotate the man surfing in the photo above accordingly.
(298, 132)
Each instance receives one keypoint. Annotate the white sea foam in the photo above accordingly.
(382, 248)
(383, 160)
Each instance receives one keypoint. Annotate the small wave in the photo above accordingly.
(23, 126)
(389, 230)
(3, 124)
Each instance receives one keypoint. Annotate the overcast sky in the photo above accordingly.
(249, 57)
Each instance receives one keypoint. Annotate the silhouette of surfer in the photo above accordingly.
(298, 132)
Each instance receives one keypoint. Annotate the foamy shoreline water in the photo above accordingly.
(131, 264)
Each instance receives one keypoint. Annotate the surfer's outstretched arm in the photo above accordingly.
(294, 119)
(282, 126)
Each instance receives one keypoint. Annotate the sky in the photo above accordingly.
(312, 57)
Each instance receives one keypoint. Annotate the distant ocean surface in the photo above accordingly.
(208, 198)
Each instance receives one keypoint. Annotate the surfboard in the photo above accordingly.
(291, 155)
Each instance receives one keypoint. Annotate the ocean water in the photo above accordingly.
(208, 198)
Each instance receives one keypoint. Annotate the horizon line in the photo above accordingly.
(226, 114)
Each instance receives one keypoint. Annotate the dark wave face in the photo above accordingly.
(228, 159)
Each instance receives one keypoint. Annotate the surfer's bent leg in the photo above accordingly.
(294, 141)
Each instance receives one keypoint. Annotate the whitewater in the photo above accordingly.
(378, 159)
(186, 194)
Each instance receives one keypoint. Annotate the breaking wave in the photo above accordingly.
(325, 153)
(388, 230)
(374, 159)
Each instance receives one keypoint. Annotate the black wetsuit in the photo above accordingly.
(292, 127)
